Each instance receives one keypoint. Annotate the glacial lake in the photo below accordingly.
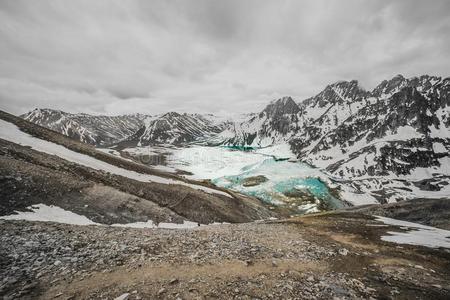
(268, 174)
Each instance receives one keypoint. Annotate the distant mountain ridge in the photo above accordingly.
(90, 129)
(135, 129)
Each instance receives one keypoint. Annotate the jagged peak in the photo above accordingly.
(286, 100)
(37, 112)
(344, 87)
(171, 114)
(398, 82)
(398, 77)
(284, 105)
(350, 83)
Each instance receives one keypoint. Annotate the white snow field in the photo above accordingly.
(11, 132)
(45, 213)
(52, 213)
(416, 234)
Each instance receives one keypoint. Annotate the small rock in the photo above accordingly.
(174, 281)
(161, 291)
(343, 251)
(123, 297)
(310, 279)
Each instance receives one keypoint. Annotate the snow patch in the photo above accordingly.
(439, 148)
(44, 213)
(151, 224)
(417, 234)
(52, 213)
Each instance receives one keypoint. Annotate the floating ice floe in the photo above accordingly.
(416, 234)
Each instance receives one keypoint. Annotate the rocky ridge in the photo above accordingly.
(90, 129)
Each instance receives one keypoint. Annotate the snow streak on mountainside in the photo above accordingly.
(95, 130)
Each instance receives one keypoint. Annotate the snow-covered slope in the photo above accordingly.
(276, 123)
(95, 130)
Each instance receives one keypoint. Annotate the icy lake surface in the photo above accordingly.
(231, 168)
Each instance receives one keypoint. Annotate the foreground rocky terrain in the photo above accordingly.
(328, 256)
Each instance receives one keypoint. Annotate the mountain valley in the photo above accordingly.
(294, 201)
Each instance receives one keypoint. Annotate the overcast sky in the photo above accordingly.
(112, 57)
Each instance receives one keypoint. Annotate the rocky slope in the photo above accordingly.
(95, 130)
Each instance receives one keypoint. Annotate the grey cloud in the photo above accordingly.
(206, 55)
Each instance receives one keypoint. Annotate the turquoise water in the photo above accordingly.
(240, 148)
(286, 180)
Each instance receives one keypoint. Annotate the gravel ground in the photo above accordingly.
(333, 256)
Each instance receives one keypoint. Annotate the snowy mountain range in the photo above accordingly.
(391, 141)
(95, 130)
(135, 129)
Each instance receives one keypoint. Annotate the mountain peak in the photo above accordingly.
(282, 106)
(171, 114)
(396, 83)
(344, 83)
